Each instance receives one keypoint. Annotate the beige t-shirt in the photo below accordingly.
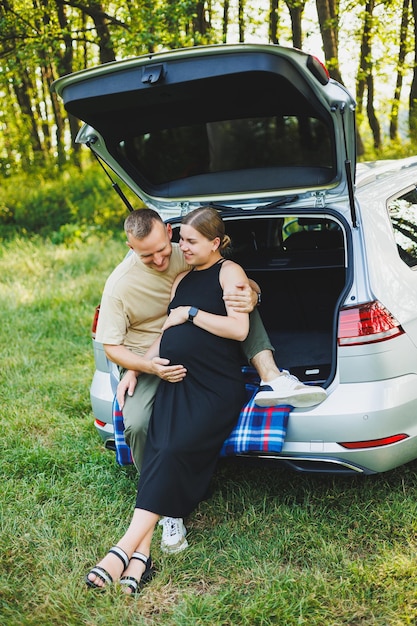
(135, 300)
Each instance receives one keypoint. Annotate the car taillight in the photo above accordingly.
(367, 323)
(95, 321)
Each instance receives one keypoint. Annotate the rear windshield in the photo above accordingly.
(168, 154)
(227, 156)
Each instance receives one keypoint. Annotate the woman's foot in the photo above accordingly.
(139, 572)
(111, 567)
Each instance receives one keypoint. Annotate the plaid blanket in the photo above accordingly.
(258, 429)
(123, 454)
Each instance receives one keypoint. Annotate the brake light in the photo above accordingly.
(374, 443)
(95, 321)
(367, 323)
(318, 69)
(100, 423)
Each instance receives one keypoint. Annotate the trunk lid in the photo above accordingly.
(240, 125)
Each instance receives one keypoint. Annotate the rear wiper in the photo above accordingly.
(223, 207)
(271, 205)
(280, 202)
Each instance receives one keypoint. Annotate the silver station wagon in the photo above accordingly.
(261, 133)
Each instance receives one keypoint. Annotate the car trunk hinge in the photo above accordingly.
(113, 183)
(320, 199)
(348, 170)
(184, 208)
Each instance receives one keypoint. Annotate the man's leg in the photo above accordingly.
(276, 387)
(258, 349)
(137, 412)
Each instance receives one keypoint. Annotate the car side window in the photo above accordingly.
(403, 214)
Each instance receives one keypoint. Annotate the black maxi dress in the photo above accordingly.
(192, 418)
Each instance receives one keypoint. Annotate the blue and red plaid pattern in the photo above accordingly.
(258, 429)
(123, 453)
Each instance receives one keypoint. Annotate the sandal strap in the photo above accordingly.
(121, 554)
(131, 582)
(101, 573)
(141, 557)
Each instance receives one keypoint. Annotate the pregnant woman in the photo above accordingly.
(191, 419)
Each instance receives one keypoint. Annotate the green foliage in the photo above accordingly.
(65, 205)
(391, 150)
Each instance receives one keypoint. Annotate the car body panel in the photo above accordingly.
(391, 279)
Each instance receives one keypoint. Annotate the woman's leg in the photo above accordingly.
(138, 537)
(132, 576)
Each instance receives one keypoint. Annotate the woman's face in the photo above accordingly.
(197, 249)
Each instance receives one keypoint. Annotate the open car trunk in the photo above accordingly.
(263, 134)
(299, 263)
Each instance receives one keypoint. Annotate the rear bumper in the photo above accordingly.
(356, 412)
(101, 395)
(352, 412)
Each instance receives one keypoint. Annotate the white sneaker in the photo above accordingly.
(287, 389)
(173, 535)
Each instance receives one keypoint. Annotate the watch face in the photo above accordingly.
(192, 313)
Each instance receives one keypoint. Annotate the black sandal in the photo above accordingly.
(134, 584)
(103, 574)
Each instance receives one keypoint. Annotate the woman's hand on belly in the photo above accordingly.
(177, 316)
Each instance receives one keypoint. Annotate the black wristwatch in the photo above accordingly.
(192, 313)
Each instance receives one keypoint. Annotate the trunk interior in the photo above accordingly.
(299, 263)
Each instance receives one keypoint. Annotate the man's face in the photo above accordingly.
(154, 250)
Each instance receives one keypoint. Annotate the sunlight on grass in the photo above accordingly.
(268, 548)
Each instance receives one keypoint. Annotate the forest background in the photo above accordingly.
(49, 181)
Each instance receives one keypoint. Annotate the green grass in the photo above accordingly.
(269, 547)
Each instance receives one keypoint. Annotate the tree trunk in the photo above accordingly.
(273, 21)
(225, 24)
(23, 90)
(365, 78)
(393, 129)
(328, 14)
(104, 37)
(65, 66)
(296, 8)
(200, 25)
(370, 109)
(412, 116)
(241, 18)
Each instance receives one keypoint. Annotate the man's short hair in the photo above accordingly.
(140, 222)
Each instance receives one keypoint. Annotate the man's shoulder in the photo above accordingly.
(123, 270)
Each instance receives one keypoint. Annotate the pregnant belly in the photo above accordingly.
(178, 343)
